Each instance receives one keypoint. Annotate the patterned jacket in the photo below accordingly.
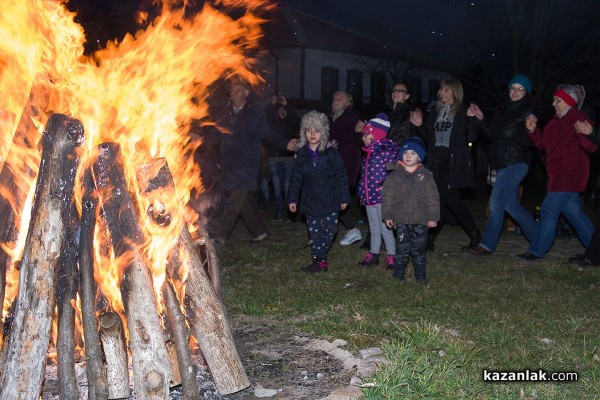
(410, 197)
(373, 171)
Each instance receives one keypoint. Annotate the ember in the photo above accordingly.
(98, 245)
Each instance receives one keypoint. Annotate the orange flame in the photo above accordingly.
(136, 92)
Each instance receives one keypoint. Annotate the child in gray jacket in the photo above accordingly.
(411, 205)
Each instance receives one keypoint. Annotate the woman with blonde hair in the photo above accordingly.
(449, 131)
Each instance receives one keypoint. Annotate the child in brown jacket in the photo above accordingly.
(411, 205)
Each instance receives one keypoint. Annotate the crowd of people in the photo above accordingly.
(407, 171)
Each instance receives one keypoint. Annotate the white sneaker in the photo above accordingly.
(352, 236)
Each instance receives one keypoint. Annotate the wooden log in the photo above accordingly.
(30, 335)
(206, 314)
(67, 292)
(176, 319)
(13, 188)
(115, 353)
(157, 186)
(95, 368)
(150, 360)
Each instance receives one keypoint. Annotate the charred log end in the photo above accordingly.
(154, 381)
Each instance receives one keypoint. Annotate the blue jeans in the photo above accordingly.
(554, 204)
(281, 169)
(505, 198)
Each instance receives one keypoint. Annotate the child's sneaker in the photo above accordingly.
(369, 260)
(390, 260)
(316, 266)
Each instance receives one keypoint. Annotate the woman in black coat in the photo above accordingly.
(449, 130)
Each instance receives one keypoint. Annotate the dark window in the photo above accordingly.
(329, 83)
(378, 92)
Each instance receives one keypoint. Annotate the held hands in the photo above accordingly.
(583, 127)
(416, 117)
(531, 122)
(431, 224)
(475, 111)
(292, 207)
(389, 223)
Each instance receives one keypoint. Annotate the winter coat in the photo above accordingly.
(410, 197)
(400, 126)
(239, 153)
(348, 141)
(464, 131)
(319, 187)
(373, 171)
(567, 164)
(506, 130)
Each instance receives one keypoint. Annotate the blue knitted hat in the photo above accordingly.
(415, 144)
(521, 80)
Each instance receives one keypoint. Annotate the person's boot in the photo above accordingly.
(399, 272)
(390, 262)
(475, 237)
(315, 266)
(369, 260)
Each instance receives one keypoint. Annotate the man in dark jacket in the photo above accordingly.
(244, 127)
(349, 142)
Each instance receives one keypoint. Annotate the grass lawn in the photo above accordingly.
(494, 313)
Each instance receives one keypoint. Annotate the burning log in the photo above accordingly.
(12, 189)
(30, 335)
(187, 372)
(150, 360)
(95, 369)
(67, 291)
(115, 352)
(205, 312)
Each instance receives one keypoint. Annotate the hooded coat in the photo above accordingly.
(373, 171)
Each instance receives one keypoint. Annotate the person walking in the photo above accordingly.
(449, 131)
(509, 155)
(379, 151)
(411, 205)
(568, 168)
(320, 184)
(343, 122)
(244, 127)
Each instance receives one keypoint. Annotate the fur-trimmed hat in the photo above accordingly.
(415, 144)
(378, 126)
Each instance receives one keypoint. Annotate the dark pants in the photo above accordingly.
(450, 199)
(321, 231)
(412, 240)
(238, 203)
(593, 250)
